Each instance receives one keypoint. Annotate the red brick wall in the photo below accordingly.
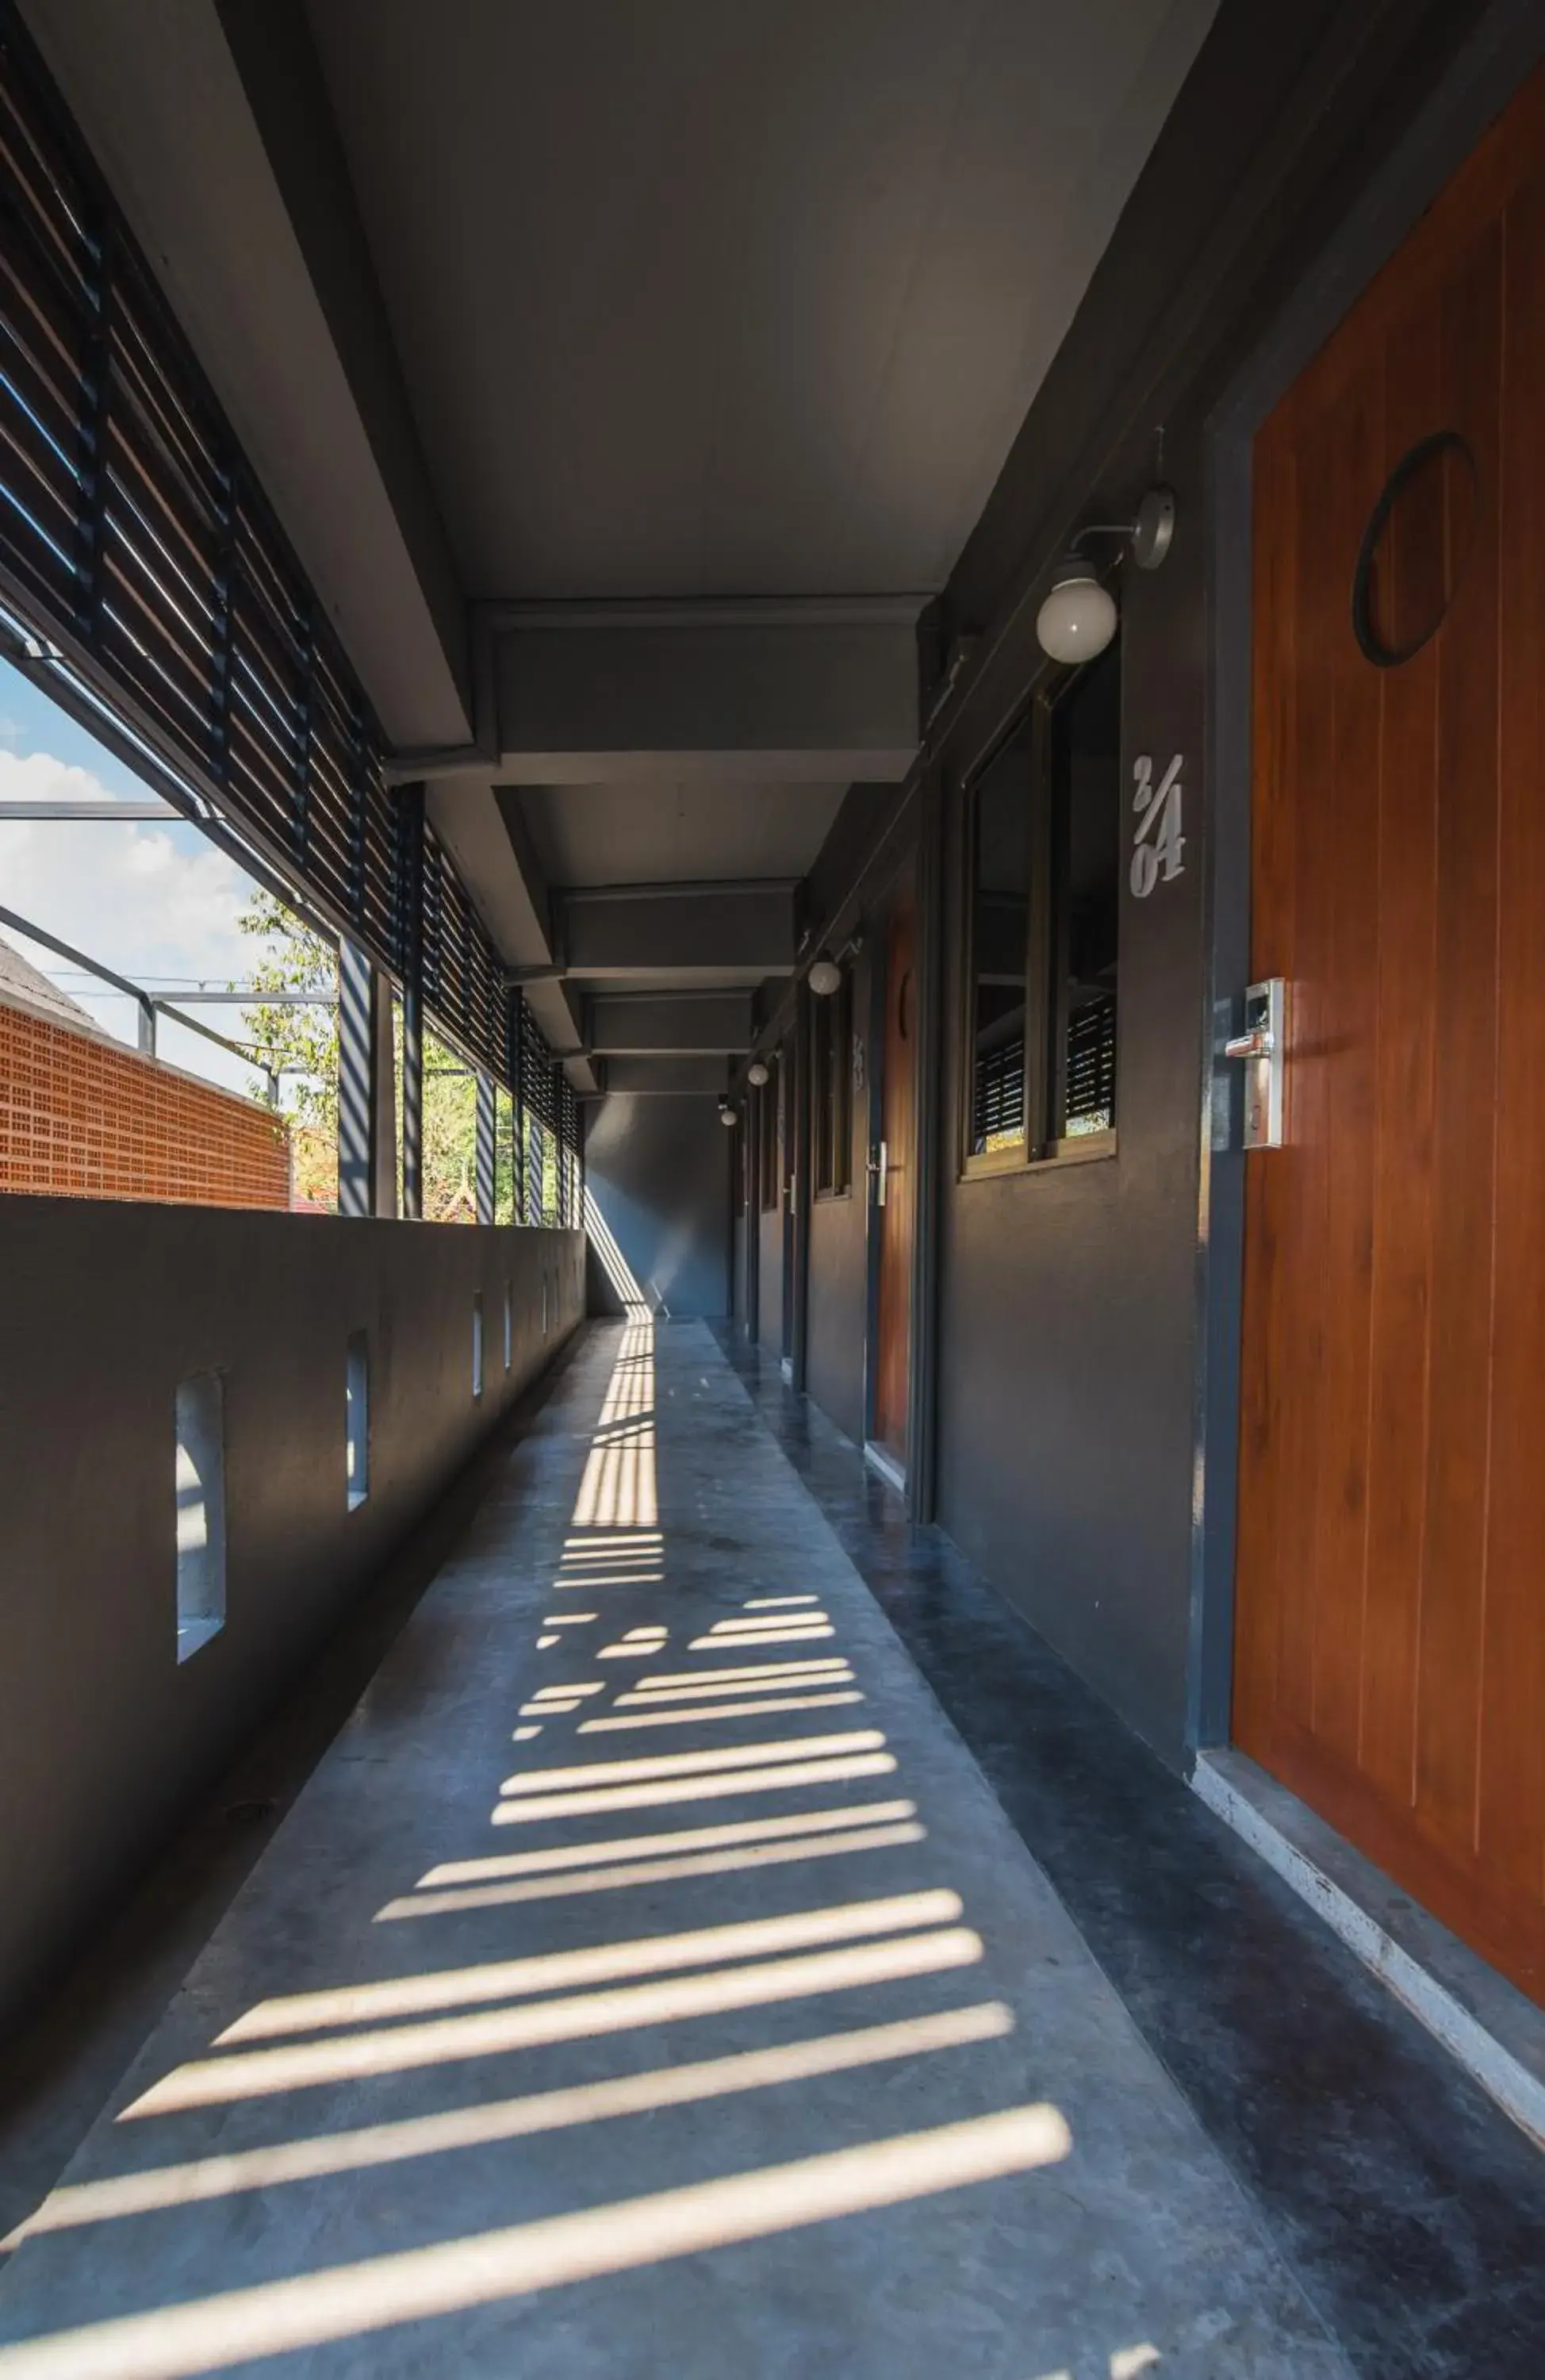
(90, 1119)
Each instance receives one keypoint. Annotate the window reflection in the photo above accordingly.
(1000, 914)
(1086, 859)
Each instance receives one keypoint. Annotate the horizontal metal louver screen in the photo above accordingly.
(536, 1091)
(1091, 1065)
(999, 1100)
(463, 979)
(568, 1141)
(135, 540)
(48, 338)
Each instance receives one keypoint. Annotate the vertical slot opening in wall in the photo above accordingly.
(356, 1433)
(200, 1511)
(477, 1344)
(509, 1330)
(544, 1297)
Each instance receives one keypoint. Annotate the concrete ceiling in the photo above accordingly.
(734, 297)
(675, 834)
(627, 377)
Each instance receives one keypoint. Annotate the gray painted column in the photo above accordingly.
(383, 1183)
(366, 1088)
(411, 879)
(485, 1147)
(356, 1000)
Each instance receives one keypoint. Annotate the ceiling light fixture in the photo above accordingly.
(727, 1115)
(1079, 617)
(826, 977)
(756, 1073)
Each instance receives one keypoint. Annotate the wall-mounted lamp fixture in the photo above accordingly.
(825, 975)
(1079, 617)
(727, 1115)
(756, 1073)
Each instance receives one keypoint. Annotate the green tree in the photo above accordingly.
(303, 1043)
(299, 1044)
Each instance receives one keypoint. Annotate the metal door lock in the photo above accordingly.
(879, 1171)
(1261, 1048)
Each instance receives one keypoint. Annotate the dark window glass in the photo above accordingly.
(999, 933)
(831, 1087)
(1045, 912)
(769, 1138)
(1086, 868)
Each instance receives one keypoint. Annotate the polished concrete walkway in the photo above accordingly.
(647, 1983)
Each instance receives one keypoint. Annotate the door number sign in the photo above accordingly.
(1158, 845)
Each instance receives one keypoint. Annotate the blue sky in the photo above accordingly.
(155, 902)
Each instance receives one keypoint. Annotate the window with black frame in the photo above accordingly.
(767, 1142)
(1044, 864)
(831, 1090)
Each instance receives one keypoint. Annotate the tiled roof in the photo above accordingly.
(23, 986)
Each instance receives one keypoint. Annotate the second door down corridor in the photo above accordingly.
(648, 1981)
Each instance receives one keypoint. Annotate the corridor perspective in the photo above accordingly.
(646, 1981)
(772, 1103)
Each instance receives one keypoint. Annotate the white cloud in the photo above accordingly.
(156, 903)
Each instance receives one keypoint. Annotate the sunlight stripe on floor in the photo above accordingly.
(678, 1838)
(450, 2040)
(704, 1714)
(417, 2284)
(664, 1871)
(664, 1791)
(78, 2204)
(599, 1963)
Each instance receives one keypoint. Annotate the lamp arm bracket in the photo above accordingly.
(1150, 536)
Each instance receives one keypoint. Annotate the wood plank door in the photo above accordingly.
(896, 1188)
(1390, 1651)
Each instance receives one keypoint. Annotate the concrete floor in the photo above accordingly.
(647, 1982)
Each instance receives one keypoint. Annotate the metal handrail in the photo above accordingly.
(148, 1005)
(93, 966)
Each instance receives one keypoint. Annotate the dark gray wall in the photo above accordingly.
(658, 1170)
(737, 1268)
(839, 1263)
(103, 1737)
(770, 1284)
(1066, 1293)
(834, 1350)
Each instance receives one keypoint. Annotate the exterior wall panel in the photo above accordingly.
(103, 1737)
(1066, 1334)
(658, 1171)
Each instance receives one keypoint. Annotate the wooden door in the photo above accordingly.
(1390, 1662)
(895, 1218)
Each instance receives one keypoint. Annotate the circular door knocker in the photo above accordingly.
(1415, 549)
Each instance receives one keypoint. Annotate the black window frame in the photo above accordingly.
(831, 1091)
(769, 1136)
(1046, 1141)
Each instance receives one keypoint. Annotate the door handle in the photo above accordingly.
(1261, 1048)
(1259, 1042)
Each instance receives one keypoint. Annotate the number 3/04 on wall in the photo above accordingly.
(1158, 844)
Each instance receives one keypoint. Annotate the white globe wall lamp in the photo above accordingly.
(1079, 617)
(756, 1073)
